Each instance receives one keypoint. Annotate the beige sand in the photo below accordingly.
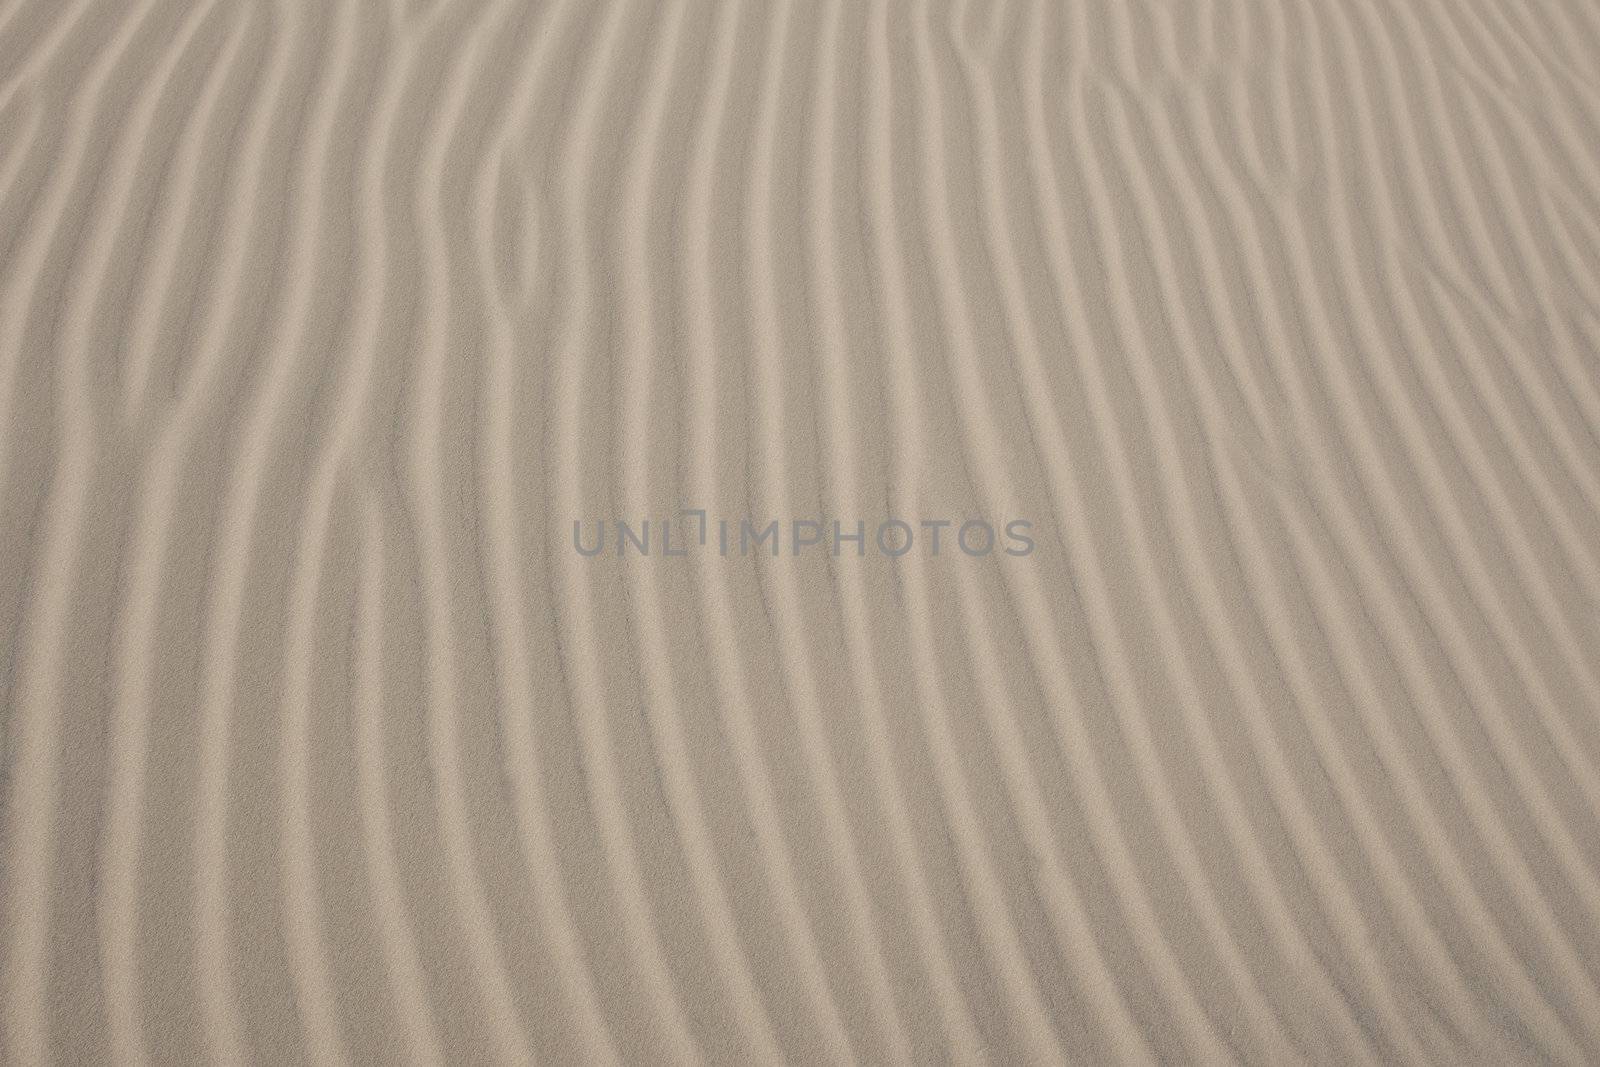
(322, 323)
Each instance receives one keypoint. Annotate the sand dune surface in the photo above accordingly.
(812, 531)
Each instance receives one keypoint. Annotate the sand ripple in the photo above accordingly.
(322, 323)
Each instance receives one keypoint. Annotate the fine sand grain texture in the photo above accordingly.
(1232, 366)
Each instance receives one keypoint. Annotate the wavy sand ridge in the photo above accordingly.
(321, 325)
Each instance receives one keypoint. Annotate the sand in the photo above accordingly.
(325, 327)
